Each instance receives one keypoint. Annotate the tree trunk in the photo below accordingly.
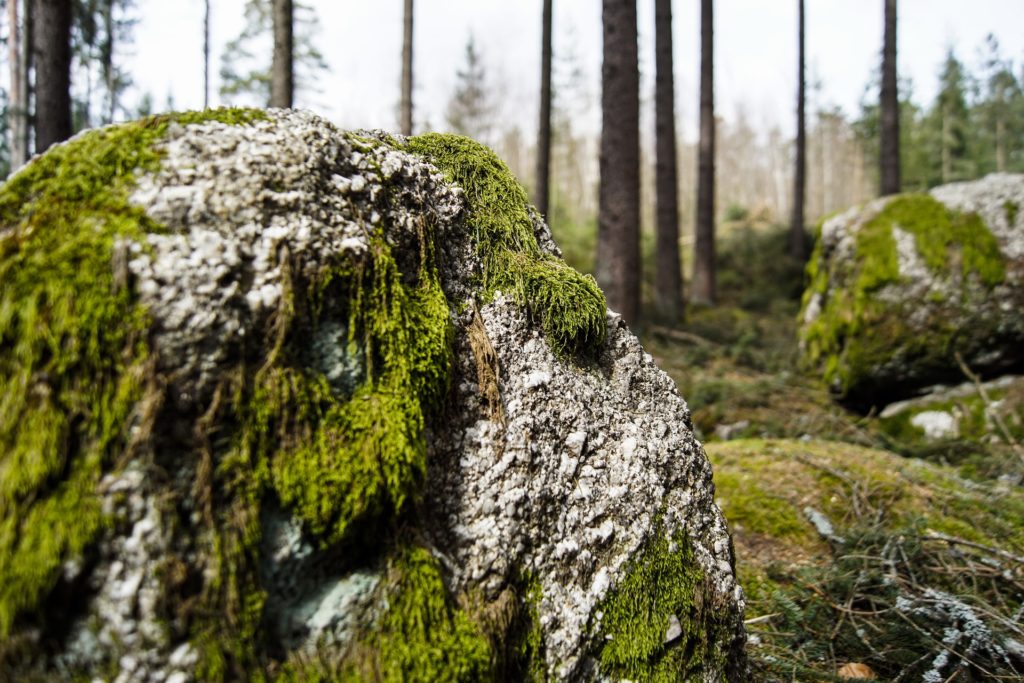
(668, 281)
(544, 131)
(206, 56)
(107, 61)
(1000, 143)
(282, 74)
(890, 107)
(947, 142)
(797, 241)
(52, 46)
(19, 94)
(703, 289)
(618, 232)
(406, 106)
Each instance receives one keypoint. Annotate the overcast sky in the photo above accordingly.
(755, 51)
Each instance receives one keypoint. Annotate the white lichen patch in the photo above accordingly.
(252, 209)
(574, 482)
(124, 622)
(989, 197)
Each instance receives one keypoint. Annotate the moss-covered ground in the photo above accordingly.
(912, 519)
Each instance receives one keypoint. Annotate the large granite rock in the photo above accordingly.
(900, 286)
(282, 402)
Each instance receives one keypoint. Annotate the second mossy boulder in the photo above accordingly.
(900, 287)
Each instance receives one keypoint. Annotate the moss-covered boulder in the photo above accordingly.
(279, 402)
(900, 286)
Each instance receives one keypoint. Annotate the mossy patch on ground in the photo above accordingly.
(857, 331)
(73, 352)
(569, 305)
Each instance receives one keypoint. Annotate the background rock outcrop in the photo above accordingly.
(900, 286)
(280, 401)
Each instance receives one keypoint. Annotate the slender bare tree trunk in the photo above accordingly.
(406, 107)
(890, 107)
(544, 131)
(703, 290)
(19, 94)
(107, 60)
(618, 227)
(282, 73)
(1000, 144)
(206, 56)
(797, 242)
(52, 46)
(668, 280)
(947, 141)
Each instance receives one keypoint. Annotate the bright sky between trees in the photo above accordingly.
(755, 52)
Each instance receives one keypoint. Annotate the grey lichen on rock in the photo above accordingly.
(901, 285)
(326, 405)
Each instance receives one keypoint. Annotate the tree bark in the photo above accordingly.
(703, 290)
(206, 56)
(19, 93)
(668, 280)
(107, 60)
(406, 107)
(889, 106)
(282, 74)
(797, 241)
(1000, 143)
(618, 232)
(544, 130)
(52, 47)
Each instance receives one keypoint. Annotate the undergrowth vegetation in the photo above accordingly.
(860, 540)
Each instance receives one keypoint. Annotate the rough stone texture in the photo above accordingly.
(879, 336)
(571, 483)
(565, 481)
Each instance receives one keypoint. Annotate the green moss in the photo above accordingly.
(856, 330)
(896, 490)
(72, 344)
(568, 305)
(746, 505)
(422, 635)
(661, 582)
(364, 456)
(1011, 208)
(346, 465)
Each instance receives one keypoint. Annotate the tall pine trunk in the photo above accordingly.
(1000, 143)
(19, 90)
(703, 290)
(797, 241)
(52, 47)
(890, 108)
(618, 228)
(668, 280)
(206, 56)
(544, 130)
(282, 73)
(406, 106)
(107, 61)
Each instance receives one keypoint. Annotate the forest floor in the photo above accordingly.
(865, 549)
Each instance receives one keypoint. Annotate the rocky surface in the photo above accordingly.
(343, 442)
(902, 285)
